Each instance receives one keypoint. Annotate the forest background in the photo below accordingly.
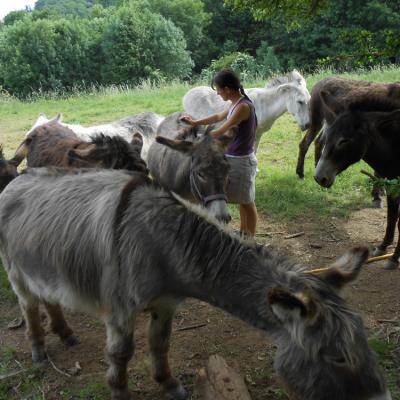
(64, 45)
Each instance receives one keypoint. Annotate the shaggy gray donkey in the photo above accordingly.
(113, 244)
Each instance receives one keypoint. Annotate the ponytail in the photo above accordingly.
(243, 93)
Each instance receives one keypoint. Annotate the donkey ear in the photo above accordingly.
(179, 145)
(387, 120)
(291, 307)
(83, 152)
(345, 269)
(137, 140)
(57, 118)
(331, 106)
(286, 87)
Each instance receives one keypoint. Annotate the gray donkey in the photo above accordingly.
(112, 243)
(191, 163)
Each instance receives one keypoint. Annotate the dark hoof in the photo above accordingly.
(376, 204)
(179, 393)
(122, 394)
(173, 390)
(38, 355)
(71, 340)
(378, 252)
(300, 175)
(391, 265)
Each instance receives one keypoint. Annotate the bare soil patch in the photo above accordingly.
(376, 295)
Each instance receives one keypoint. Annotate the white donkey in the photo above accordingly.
(145, 123)
(286, 93)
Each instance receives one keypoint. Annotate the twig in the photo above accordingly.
(294, 235)
(57, 369)
(11, 374)
(269, 233)
(187, 328)
(388, 321)
(363, 171)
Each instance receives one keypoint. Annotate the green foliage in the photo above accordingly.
(138, 45)
(292, 10)
(42, 55)
(79, 8)
(267, 58)
(242, 63)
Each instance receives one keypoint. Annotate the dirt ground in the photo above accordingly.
(376, 295)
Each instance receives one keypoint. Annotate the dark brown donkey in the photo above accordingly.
(368, 130)
(344, 91)
(53, 144)
(8, 170)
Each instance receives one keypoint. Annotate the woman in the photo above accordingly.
(240, 153)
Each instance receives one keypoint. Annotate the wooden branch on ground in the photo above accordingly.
(218, 381)
(294, 235)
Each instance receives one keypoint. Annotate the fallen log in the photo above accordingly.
(218, 381)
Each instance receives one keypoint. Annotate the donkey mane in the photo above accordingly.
(280, 80)
(368, 104)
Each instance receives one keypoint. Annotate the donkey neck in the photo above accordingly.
(382, 155)
(269, 105)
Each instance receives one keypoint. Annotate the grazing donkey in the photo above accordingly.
(52, 144)
(285, 93)
(8, 170)
(367, 130)
(191, 163)
(145, 123)
(345, 91)
(109, 243)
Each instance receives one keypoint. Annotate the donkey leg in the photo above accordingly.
(59, 325)
(159, 337)
(393, 261)
(119, 350)
(29, 304)
(376, 195)
(303, 148)
(392, 216)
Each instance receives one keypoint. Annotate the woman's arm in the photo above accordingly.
(211, 119)
(241, 113)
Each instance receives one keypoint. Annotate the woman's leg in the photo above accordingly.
(248, 218)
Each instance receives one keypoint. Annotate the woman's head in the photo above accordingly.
(226, 82)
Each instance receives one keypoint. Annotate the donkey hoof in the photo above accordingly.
(70, 341)
(122, 394)
(378, 252)
(391, 265)
(38, 355)
(376, 204)
(174, 390)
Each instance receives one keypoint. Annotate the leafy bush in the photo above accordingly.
(242, 63)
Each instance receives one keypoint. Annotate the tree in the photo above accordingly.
(292, 10)
(138, 44)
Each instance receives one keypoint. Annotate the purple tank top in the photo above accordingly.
(245, 139)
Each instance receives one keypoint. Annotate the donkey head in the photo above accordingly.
(208, 170)
(349, 133)
(110, 152)
(297, 102)
(323, 353)
(8, 170)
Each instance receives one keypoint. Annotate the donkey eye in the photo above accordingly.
(343, 142)
(300, 102)
(339, 361)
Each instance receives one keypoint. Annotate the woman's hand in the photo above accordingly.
(188, 119)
